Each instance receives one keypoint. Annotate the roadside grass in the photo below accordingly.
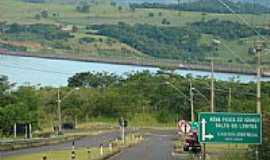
(150, 121)
(226, 147)
(83, 153)
(139, 120)
(231, 155)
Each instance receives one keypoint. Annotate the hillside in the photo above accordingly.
(210, 6)
(90, 32)
(263, 2)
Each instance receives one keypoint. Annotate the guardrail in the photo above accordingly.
(20, 144)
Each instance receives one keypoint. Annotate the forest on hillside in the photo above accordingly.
(209, 6)
(177, 42)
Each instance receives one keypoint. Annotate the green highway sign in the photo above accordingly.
(230, 128)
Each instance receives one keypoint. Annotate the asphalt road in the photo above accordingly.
(158, 145)
(91, 141)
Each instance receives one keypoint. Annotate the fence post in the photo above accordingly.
(110, 147)
(44, 158)
(101, 149)
(89, 153)
(73, 155)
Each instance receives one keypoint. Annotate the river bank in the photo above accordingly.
(164, 63)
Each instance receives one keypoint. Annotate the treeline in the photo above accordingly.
(209, 6)
(177, 42)
(164, 96)
(162, 42)
(34, 31)
(35, 1)
(227, 29)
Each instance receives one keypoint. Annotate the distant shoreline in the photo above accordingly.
(174, 64)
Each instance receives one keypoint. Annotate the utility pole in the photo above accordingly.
(212, 85)
(179, 12)
(258, 52)
(15, 130)
(191, 101)
(59, 112)
(258, 49)
(215, 44)
(230, 100)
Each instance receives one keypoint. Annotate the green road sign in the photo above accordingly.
(230, 128)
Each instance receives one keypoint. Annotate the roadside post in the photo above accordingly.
(101, 149)
(73, 154)
(89, 153)
(73, 145)
(110, 147)
(123, 124)
(44, 158)
(229, 128)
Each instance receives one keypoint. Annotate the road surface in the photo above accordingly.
(158, 145)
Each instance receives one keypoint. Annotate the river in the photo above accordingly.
(49, 72)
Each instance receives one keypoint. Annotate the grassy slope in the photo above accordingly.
(104, 13)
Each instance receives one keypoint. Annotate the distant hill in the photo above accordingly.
(210, 6)
(263, 2)
(144, 1)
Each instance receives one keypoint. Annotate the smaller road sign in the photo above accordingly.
(184, 126)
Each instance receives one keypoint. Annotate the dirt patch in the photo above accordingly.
(28, 44)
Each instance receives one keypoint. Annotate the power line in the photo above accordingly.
(241, 18)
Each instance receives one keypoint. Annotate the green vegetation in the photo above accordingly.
(232, 155)
(227, 29)
(138, 97)
(83, 7)
(33, 32)
(161, 42)
(185, 43)
(20, 106)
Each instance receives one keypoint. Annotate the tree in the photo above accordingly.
(29, 104)
(151, 14)
(3, 25)
(93, 80)
(44, 14)
(113, 4)
(75, 29)
(133, 9)
(37, 16)
(120, 8)
(83, 7)
(165, 21)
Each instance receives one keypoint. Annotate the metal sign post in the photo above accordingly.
(204, 152)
